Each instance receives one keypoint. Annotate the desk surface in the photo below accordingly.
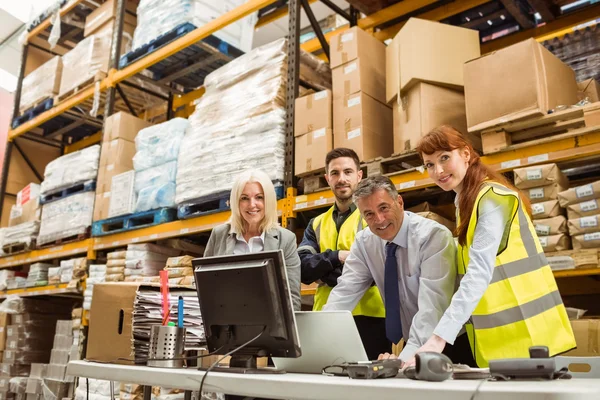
(315, 387)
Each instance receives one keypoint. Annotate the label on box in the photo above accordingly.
(110, 167)
(591, 236)
(320, 96)
(114, 143)
(346, 37)
(354, 134)
(542, 230)
(106, 195)
(510, 164)
(588, 222)
(534, 174)
(320, 202)
(589, 205)
(543, 241)
(584, 191)
(407, 185)
(536, 193)
(354, 102)
(537, 159)
(537, 209)
(350, 68)
(319, 133)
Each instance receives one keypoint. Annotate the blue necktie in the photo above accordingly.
(393, 325)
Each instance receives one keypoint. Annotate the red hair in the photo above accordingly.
(447, 138)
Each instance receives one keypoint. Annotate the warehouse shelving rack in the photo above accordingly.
(383, 24)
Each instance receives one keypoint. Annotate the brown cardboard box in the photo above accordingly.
(311, 149)
(363, 124)
(544, 193)
(546, 209)
(101, 206)
(4, 322)
(107, 29)
(583, 209)
(31, 211)
(520, 81)
(106, 12)
(424, 107)
(579, 194)
(448, 211)
(550, 226)
(313, 112)
(116, 158)
(540, 175)
(123, 126)
(361, 75)
(589, 89)
(431, 52)
(355, 44)
(439, 219)
(580, 226)
(587, 337)
(558, 242)
(586, 241)
(582, 258)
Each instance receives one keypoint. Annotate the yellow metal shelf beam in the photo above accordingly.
(66, 250)
(275, 15)
(63, 288)
(392, 12)
(47, 22)
(570, 273)
(83, 143)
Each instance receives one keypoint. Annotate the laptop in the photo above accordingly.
(326, 338)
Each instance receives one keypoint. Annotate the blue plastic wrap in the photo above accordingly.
(159, 144)
(155, 176)
(153, 197)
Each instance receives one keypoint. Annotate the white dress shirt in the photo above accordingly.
(426, 269)
(492, 229)
(256, 244)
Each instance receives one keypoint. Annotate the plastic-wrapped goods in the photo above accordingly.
(66, 217)
(71, 169)
(84, 62)
(5, 274)
(153, 197)
(42, 83)
(156, 17)
(23, 233)
(54, 276)
(18, 385)
(159, 144)
(156, 176)
(153, 248)
(238, 124)
(145, 255)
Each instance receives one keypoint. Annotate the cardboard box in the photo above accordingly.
(29, 212)
(544, 193)
(123, 126)
(550, 226)
(101, 206)
(428, 51)
(4, 321)
(521, 81)
(439, 219)
(587, 337)
(357, 76)
(363, 124)
(29, 192)
(580, 226)
(122, 198)
(582, 258)
(579, 194)
(546, 209)
(34, 386)
(107, 28)
(116, 158)
(108, 12)
(355, 44)
(313, 112)
(583, 209)
(589, 89)
(447, 211)
(558, 242)
(540, 175)
(38, 371)
(424, 107)
(311, 150)
(586, 241)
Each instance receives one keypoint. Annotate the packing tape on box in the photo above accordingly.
(346, 89)
(309, 164)
(309, 138)
(309, 102)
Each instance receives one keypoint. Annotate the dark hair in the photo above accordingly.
(447, 138)
(340, 152)
(368, 186)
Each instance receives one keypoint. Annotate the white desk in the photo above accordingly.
(317, 387)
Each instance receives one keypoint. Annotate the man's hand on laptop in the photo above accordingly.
(387, 356)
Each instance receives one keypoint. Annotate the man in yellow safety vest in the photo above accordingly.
(326, 244)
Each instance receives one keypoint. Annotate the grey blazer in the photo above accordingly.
(221, 243)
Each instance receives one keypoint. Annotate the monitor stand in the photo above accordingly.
(246, 364)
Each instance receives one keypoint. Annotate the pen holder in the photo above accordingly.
(166, 343)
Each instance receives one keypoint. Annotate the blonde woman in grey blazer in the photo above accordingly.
(253, 227)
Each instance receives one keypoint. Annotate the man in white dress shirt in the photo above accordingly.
(411, 259)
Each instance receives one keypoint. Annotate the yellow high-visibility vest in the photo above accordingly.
(521, 306)
(329, 238)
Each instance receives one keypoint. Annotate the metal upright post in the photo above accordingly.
(115, 54)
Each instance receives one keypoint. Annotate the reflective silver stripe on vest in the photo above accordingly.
(518, 313)
(318, 232)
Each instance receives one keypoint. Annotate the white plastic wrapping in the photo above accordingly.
(156, 176)
(156, 17)
(21, 234)
(153, 197)
(42, 83)
(71, 169)
(159, 144)
(66, 217)
(84, 62)
(238, 124)
(153, 248)
(5, 274)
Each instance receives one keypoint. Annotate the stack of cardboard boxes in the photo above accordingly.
(313, 123)
(583, 214)
(541, 184)
(56, 379)
(116, 156)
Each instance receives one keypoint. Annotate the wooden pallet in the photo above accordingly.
(67, 239)
(133, 221)
(100, 75)
(81, 187)
(16, 248)
(33, 111)
(551, 127)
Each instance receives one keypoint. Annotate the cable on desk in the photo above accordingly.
(477, 388)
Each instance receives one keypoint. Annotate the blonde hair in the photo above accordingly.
(253, 176)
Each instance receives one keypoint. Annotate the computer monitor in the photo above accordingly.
(240, 297)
